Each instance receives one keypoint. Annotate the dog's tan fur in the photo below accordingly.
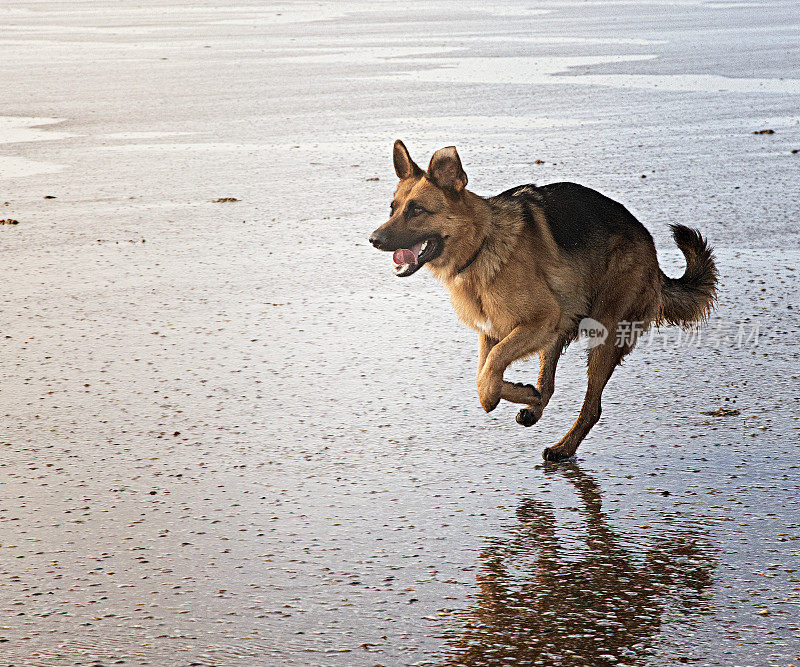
(524, 292)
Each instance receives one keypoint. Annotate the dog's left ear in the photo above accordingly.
(445, 170)
(404, 166)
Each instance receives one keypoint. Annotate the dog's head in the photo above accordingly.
(429, 212)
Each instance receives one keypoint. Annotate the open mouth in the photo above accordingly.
(410, 260)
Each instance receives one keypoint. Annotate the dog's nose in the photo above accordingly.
(378, 239)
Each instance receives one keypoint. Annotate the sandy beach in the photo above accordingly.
(230, 436)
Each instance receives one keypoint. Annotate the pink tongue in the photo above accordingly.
(404, 256)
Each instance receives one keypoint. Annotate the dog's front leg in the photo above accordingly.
(548, 360)
(485, 345)
(516, 392)
(522, 341)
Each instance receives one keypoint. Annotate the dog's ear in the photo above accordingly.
(445, 170)
(404, 166)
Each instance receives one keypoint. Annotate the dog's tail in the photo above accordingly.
(691, 297)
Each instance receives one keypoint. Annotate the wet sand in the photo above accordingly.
(231, 437)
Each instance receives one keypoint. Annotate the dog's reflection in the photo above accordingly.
(543, 601)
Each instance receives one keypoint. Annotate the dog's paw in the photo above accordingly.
(526, 417)
(489, 391)
(553, 454)
(488, 401)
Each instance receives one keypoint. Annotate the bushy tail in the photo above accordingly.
(691, 297)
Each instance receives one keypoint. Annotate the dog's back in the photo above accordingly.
(577, 217)
(596, 247)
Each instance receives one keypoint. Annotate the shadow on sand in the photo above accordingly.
(598, 601)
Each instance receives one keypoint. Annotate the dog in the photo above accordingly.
(524, 268)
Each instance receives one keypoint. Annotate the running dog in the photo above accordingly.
(524, 269)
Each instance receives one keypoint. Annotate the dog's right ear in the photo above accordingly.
(404, 166)
(445, 170)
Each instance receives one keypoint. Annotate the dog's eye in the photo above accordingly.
(417, 210)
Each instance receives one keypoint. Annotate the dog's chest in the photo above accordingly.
(486, 326)
(478, 311)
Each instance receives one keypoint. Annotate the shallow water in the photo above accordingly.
(208, 457)
(15, 129)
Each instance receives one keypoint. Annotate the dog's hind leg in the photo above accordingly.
(603, 359)
(548, 360)
(613, 306)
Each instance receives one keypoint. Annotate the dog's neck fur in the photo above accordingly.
(493, 238)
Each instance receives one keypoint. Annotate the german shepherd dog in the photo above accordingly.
(524, 267)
